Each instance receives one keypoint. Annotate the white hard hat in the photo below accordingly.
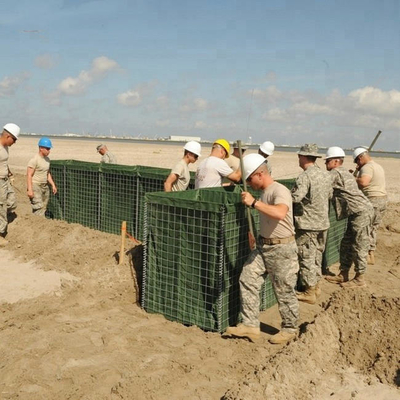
(267, 148)
(334, 152)
(251, 162)
(13, 129)
(193, 147)
(358, 151)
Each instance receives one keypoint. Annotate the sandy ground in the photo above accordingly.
(71, 328)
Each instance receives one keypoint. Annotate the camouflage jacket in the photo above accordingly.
(108, 158)
(348, 199)
(311, 194)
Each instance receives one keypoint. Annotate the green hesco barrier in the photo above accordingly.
(197, 243)
(334, 237)
(101, 196)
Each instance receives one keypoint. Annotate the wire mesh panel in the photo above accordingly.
(196, 245)
(55, 207)
(82, 202)
(334, 237)
(118, 195)
(150, 179)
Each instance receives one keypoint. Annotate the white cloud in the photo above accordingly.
(101, 66)
(270, 95)
(275, 114)
(45, 61)
(130, 98)
(134, 97)
(376, 100)
(305, 107)
(10, 84)
(194, 105)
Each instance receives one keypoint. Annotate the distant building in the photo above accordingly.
(185, 138)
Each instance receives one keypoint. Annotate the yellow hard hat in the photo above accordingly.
(224, 143)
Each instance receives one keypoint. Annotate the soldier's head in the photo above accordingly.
(256, 171)
(334, 157)
(308, 154)
(361, 156)
(10, 134)
(102, 149)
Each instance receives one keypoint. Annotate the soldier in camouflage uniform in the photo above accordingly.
(107, 156)
(275, 255)
(311, 194)
(349, 202)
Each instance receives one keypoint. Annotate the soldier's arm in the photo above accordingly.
(29, 175)
(274, 211)
(172, 178)
(235, 176)
(363, 181)
(300, 189)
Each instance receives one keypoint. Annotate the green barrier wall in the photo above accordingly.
(197, 243)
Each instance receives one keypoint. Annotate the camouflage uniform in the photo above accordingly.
(11, 199)
(3, 204)
(40, 199)
(379, 204)
(311, 194)
(279, 261)
(350, 202)
(281, 264)
(108, 158)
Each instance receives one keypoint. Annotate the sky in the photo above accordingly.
(292, 72)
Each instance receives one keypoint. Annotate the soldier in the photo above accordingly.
(275, 255)
(179, 178)
(8, 137)
(234, 159)
(311, 194)
(211, 170)
(371, 180)
(38, 178)
(107, 156)
(349, 202)
(267, 149)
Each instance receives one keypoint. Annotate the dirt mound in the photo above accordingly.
(356, 333)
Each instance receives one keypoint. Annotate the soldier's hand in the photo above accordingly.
(247, 198)
(11, 179)
(30, 193)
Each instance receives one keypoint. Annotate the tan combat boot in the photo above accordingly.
(357, 282)
(309, 296)
(242, 331)
(282, 337)
(342, 277)
(371, 257)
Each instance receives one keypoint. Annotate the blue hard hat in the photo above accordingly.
(45, 142)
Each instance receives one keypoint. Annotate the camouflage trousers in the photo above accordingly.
(280, 262)
(355, 243)
(311, 245)
(41, 195)
(3, 205)
(379, 204)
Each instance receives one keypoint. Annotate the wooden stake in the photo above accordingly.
(123, 237)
